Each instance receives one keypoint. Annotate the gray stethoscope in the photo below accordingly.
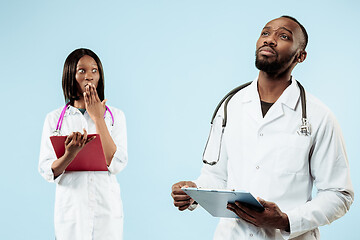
(61, 119)
(303, 130)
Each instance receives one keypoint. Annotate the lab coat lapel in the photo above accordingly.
(251, 102)
(288, 98)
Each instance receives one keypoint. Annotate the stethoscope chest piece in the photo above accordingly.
(305, 128)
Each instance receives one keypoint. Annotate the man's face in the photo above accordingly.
(278, 46)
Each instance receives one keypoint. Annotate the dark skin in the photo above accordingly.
(87, 77)
(280, 40)
(181, 200)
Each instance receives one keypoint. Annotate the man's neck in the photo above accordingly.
(270, 87)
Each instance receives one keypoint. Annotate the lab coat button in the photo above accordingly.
(251, 235)
(257, 167)
(261, 134)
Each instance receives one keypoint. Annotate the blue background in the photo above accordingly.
(167, 64)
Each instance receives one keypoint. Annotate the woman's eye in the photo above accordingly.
(94, 70)
(81, 71)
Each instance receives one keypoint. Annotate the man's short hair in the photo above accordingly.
(305, 42)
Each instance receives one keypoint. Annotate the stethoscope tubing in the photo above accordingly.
(61, 118)
(304, 129)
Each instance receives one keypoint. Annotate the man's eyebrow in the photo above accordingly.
(281, 28)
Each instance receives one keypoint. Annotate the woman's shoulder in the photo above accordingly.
(54, 114)
(116, 111)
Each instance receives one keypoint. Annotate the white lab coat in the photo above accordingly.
(87, 203)
(267, 157)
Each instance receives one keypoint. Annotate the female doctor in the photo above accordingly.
(87, 203)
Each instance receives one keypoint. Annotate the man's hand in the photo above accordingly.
(181, 199)
(271, 217)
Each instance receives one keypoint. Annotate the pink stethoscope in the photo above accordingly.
(61, 118)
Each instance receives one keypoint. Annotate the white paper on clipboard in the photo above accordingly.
(215, 200)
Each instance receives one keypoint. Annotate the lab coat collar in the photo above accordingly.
(72, 110)
(289, 97)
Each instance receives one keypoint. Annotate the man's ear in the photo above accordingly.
(302, 56)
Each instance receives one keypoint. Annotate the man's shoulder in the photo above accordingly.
(318, 111)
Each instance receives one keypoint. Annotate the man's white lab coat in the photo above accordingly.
(268, 158)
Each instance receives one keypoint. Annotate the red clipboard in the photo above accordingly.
(90, 158)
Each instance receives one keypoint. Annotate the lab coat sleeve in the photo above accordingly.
(47, 153)
(119, 137)
(331, 174)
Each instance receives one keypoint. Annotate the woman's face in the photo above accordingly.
(87, 72)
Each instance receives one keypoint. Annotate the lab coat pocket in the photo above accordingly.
(115, 200)
(293, 155)
(64, 201)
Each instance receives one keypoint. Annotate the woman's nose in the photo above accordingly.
(88, 76)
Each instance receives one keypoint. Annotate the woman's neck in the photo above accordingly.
(79, 103)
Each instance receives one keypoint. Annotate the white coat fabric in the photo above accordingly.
(267, 157)
(87, 203)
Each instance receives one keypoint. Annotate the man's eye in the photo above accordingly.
(94, 70)
(284, 37)
(81, 71)
(264, 34)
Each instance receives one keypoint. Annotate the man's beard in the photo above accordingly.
(274, 66)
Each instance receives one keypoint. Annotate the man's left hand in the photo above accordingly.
(271, 217)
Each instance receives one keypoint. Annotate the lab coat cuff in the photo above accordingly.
(285, 234)
(118, 161)
(193, 206)
(49, 175)
(295, 224)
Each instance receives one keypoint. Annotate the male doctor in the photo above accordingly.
(263, 153)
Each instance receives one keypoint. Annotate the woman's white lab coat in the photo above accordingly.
(87, 203)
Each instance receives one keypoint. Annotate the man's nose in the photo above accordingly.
(270, 40)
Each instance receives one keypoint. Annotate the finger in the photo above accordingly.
(90, 139)
(104, 103)
(68, 139)
(263, 202)
(96, 95)
(179, 192)
(84, 138)
(93, 94)
(85, 133)
(184, 207)
(240, 213)
(181, 203)
(72, 138)
(86, 99)
(88, 93)
(180, 197)
(176, 186)
(78, 138)
(249, 211)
